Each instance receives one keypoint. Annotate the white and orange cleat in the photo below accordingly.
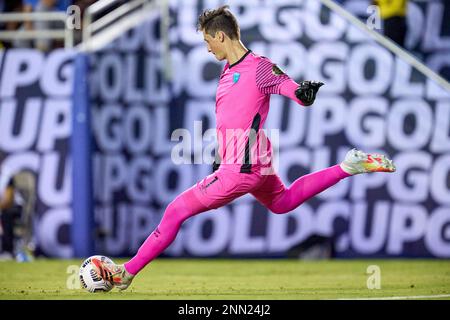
(356, 162)
(117, 274)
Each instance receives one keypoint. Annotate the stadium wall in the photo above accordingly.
(372, 100)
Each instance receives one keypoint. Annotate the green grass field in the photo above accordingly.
(236, 279)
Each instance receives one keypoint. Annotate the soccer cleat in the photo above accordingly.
(116, 274)
(356, 162)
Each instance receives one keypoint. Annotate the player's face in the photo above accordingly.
(214, 45)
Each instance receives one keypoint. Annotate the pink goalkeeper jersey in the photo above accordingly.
(242, 105)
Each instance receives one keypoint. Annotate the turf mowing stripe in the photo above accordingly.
(402, 298)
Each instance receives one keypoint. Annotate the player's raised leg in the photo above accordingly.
(279, 199)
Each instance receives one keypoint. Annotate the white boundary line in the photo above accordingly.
(402, 298)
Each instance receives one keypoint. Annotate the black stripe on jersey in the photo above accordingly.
(247, 166)
(240, 60)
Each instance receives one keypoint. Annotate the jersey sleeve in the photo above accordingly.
(270, 79)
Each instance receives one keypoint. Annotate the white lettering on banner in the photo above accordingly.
(382, 60)
(244, 12)
(374, 242)
(364, 128)
(402, 84)
(411, 180)
(279, 239)
(132, 92)
(118, 236)
(327, 118)
(156, 91)
(138, 127)
(408, 226)
(21, 68)
(221, 225)
(371, 100)
(28, 160)
(241, 241)
(441, 134)
(292, 55)
(115, 175)
(140, 179)
(10, 139)
(294, 131)
(197, 60)
(151, 39)
(107, 129)
(328, 214)
(293, 157)
(433, 28)
(423, 120)
(49, 227)
(361, 185)
(56, 123)
(440, 175)
(199, 110)
(439, 225)
(415, 20)
(35, 124)
(131, 41)
(130, 129)
(55, 119)
(110, 72)
(327, 61)
(187, 16)
(438, 62)
(57, 80)
(280, 24)
(94, 81)
(179, 77)
(408, 223)
(51, 191)
(314, 26)
(163, 169)
(161, 141)
(143, 221)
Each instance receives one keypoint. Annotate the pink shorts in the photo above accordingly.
(224, 185)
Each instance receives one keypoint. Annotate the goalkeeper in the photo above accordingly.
(242, 105)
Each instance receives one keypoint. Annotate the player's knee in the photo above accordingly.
(283, 203)
(176, 210)
(277, 209)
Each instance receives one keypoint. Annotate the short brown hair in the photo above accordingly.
(220, 19)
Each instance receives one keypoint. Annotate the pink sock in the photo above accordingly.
(307, 187)
(184, 206)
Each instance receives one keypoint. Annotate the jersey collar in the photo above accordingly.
(240, 60)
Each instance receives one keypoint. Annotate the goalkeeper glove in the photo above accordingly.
(307, 90)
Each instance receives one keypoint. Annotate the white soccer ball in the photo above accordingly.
(90, 275)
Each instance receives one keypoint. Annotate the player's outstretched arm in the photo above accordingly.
(303, 93)
(270, 79)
